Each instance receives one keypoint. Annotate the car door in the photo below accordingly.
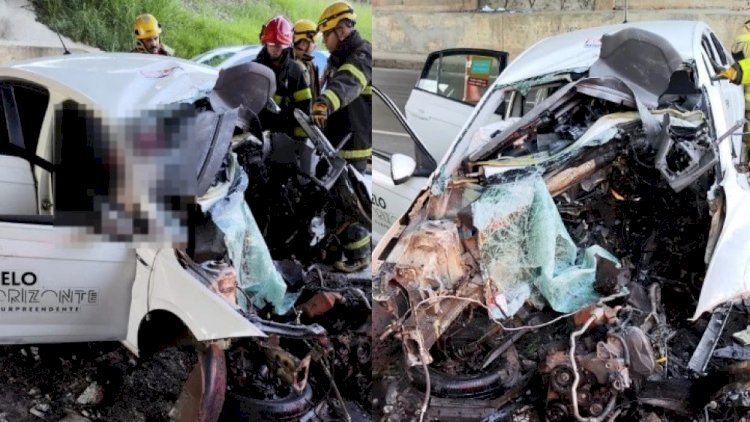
(52, 288)
(450, 85)
(733, 100)
(397, 152)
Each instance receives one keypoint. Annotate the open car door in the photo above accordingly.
(450, 85)
(400, 165)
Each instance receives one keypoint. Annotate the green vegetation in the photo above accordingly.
(190, 27)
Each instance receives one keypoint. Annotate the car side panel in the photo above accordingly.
(54, 289)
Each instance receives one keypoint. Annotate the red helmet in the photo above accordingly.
(277, 30)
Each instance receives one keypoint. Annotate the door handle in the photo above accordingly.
(420, 114)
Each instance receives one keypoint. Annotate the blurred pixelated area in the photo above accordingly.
(137, 178)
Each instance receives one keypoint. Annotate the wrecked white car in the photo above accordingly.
(565, 259)
(102, 157)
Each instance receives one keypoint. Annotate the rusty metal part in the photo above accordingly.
(430, 261)
(591, 381)
(734, 395)
(202, 395)
(321, 303)
(608, 316)
(429, 322)
(289, 368)
(577, 378)
(570, 177)
(432, 258)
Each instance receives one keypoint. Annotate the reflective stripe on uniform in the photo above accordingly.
(358, 243)
(277, 99)
(333, 98)
(302, 95)
(299, 132)
(348, 67)
(355, 154)
(367, 90)
(741, 43)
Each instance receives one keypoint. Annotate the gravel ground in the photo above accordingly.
(89, 381)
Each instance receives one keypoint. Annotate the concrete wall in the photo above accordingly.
(410, 36)
(557, 5)
(577, 5)
(427, 5)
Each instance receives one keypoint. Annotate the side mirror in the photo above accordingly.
(402, 168)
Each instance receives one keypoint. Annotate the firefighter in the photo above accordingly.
(345, 105)
(147, 32)
(739, 74)
(356, 243)
(292, 89)
(741, 50)
(304, 46)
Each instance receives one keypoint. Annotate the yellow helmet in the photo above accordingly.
(146, 26)
(304, 29)
(334, 14)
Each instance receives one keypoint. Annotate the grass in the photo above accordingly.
(190, 27)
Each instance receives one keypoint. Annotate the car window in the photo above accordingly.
(22, 110)
(394, 138)
(710, 49)
(719, 49)
(217, 59)
(460, 77)
(521, 103)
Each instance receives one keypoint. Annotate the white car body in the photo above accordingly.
(433, 116)
(107, 289)
(438, 105)
(231, 55)
(728, 274)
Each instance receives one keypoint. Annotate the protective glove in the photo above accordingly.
(733, 73)
(319, 114)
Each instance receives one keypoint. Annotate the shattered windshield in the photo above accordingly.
(558, 260)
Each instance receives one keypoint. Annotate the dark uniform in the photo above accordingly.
(313, 73)
(163, 50)
(292, 91)
(347, 90)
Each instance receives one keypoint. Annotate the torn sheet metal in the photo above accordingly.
(728, 274)
(741, 353)
(552, 118)
(685, 151)
(432, 257)
(642, 59)
(430, 265)
(248, 252)
(525, 247)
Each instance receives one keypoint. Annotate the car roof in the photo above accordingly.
(244, 53)
(580, 49)
(225, 49)
(117, 83)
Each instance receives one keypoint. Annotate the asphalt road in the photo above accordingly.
(388, 134)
